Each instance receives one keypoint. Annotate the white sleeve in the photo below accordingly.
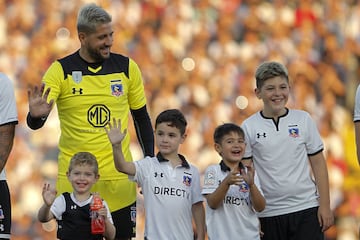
(196, 189)
(143, 169)
(248, 148)
(313, 138)
(211, 182)
(58, 207)
(108, 214)
(8, 110)
(357, 105)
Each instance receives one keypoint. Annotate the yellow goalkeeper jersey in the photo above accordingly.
(87, 97)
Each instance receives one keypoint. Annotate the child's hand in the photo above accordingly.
(103, 212)
(248, 175)
(114, 132)
(234, 178)
(48, 194)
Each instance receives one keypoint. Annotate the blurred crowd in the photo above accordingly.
(198, 56)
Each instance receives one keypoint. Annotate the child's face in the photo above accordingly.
(82, 178)
(275, 94)
(231, 148)
(168, 138)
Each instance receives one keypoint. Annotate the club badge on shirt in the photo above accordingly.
(244, 187)
(76, 76)
(116, 88)
(187, 180)
(294, 132)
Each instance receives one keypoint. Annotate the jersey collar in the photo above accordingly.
(184, 163)
(286, 113)
(224, 167)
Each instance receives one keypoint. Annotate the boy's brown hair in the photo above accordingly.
(268, 70)
(82, 158)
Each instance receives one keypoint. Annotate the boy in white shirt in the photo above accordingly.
(232, 189)
(283, 144)
(170, 185)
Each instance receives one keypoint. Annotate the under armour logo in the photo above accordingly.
(73, 207)
(2, 227)
(261, 135)
(158, 174)
(80, 91)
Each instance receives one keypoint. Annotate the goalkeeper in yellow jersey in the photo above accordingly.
(90, 87)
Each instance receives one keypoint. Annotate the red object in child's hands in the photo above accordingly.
(97, 221)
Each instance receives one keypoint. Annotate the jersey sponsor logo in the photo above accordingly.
(73, 207)
(236, 200)
(76, 76)
(171, 191)
(294, 132)
(259, 135)
(98, 115)
(116, 88)
(209, 178)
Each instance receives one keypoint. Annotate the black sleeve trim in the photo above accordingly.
(144, 130)
(35, 123)
(10, 123)
(312, 154)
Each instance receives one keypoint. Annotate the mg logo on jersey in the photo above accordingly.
(116, 88)
(98, 115)
(259, 135)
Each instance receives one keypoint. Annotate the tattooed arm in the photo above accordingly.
(7, 133)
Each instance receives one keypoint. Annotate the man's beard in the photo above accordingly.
(94, 54)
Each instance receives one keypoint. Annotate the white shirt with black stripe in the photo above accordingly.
(235, 218)
(280, 154)
(169, 194)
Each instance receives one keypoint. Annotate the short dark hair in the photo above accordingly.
(174, 117)
(268, 70)
(226, 128)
